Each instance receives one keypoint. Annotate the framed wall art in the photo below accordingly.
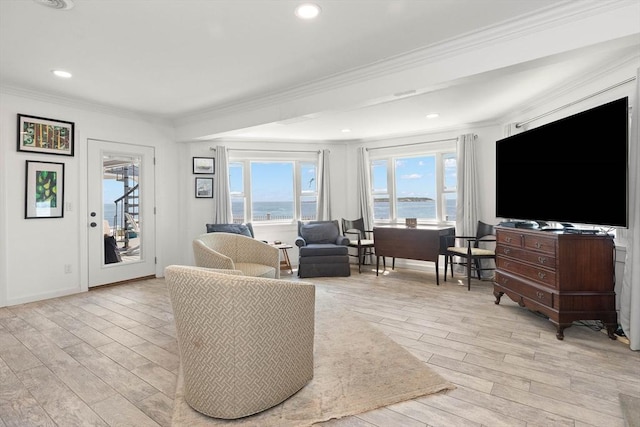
(44, 190)
(204, 165)
(204, 188)
(46, 136)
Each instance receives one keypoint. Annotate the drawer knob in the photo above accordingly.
(541, 275)
(506, 251)
(504, 280)
(507, 239)
(540, 295)
(542, 259)
(538, 245)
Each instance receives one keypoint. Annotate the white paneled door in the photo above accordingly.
(121, 213)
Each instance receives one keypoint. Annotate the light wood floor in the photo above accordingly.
(109, 357)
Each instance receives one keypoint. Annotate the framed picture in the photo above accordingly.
(204, 165)
(204, 188)
(46, 136)
(44, 190)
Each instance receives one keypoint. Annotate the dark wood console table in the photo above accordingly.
(421, 243)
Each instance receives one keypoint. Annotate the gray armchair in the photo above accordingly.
(323, 250)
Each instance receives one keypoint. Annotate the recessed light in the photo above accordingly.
(346, 130)
(307, 11)
(62, 74)
(432, 115)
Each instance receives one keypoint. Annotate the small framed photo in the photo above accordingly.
(204, 165)
(204, 188)
(45, 136)
(44, 190)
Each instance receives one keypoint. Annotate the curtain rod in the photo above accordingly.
(269, 151)
(415, 143)
(629, 80)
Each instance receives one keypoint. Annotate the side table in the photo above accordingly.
(285, 263)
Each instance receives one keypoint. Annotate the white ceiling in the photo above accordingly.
(172, 59)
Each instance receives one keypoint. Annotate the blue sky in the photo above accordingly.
(272, 181)
(111, 190)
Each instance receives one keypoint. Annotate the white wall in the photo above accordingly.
(33, 252)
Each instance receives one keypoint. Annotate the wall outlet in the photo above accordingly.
(67, 268)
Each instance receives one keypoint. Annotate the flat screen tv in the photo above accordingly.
(573, 170)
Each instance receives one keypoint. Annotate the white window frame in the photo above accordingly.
(391, 154)
(296, 158)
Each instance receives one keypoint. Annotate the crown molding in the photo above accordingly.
(571, 86)
(77, 103)
(563, 12)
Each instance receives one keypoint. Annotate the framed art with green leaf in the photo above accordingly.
(44, 190)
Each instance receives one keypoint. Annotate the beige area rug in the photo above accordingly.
(357, 369)
(630, 409)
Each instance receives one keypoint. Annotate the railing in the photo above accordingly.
(275, 218)
(128, 203)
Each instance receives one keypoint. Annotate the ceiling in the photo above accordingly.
(174, 59)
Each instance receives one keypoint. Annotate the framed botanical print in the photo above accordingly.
(44, 190)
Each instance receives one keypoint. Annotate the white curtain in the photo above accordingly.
(630, 294)
(467, 200)
(323, 212)
(364, 188)
(467, 204)
(222, 194)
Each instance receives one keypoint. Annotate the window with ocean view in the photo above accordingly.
(421, 186)
(270, 190)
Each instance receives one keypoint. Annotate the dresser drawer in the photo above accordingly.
(546, 260)
(540, 243)
(531, 272)
(510, 238)
(541, 296)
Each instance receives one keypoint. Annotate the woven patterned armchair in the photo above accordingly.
(237, 252)
(246, 343)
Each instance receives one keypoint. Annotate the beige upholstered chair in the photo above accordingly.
(237, 252)
(246, 343)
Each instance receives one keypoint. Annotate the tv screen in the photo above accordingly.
(573, 170)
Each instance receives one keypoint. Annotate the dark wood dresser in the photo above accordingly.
(566, 277)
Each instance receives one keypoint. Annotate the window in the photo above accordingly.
(414, 185)
(273, 190)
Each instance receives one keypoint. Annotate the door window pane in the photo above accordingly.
(121, 206)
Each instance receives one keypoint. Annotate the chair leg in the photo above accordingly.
(446, 262)
(360, 259)
(437, 274)
(469, 274)
(478, 271)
